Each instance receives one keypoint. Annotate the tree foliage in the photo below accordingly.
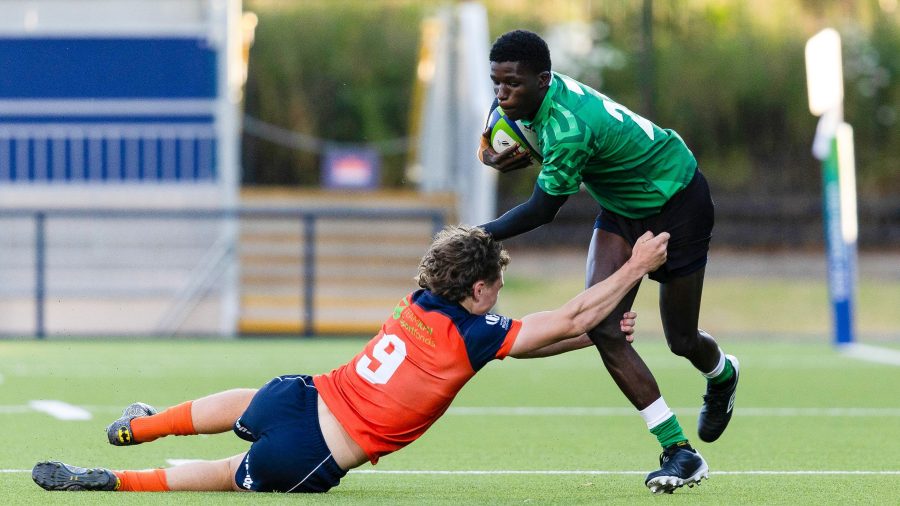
(727, 75)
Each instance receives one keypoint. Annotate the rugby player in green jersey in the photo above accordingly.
(644, 178)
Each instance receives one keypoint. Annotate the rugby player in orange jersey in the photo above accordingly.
(308, 431)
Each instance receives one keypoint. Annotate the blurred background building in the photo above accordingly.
(113, 114)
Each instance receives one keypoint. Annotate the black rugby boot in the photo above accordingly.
(680, 465)
(56, 476)
(718, 405)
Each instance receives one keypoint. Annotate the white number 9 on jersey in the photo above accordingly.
(389, 361)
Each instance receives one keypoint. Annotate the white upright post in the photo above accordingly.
(477, 183)
(456, 75)
(434, 146)
(226, 34)
(833, 145)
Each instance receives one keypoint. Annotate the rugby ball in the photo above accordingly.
(506, 133)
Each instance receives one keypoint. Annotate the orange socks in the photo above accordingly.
(153, 480)
(173, 421)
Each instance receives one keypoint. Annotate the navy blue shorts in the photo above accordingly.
(288, 453)
(688, 217)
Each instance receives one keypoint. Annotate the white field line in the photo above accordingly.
(16, 409)
(871, 353)
(601, 411)
(580, 472)
(586, 472)
(60, 410)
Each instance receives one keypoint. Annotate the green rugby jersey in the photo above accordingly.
(628, 164)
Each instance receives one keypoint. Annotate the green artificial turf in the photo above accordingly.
(801, 408)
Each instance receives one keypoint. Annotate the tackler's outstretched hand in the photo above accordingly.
(649, 251)
(626, 325)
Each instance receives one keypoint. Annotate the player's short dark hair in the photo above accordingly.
(522, 46)
(459, 257)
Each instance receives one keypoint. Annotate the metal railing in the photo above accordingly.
(306, 218)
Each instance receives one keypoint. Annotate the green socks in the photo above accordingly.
(662, 423)
(723, 371)
(726, 374)
(669, 432)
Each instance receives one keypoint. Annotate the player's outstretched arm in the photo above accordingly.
(626, 324)
(539, 209)
(591, 306)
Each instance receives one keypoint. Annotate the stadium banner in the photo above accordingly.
(355, 168)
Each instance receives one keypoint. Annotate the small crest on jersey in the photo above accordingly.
(398, 309)
(494, 319)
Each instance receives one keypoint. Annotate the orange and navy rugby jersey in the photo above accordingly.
(407, 375)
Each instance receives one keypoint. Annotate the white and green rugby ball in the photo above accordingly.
(506, 133)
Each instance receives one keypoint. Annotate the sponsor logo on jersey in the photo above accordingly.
(414, 326)
(398, 309)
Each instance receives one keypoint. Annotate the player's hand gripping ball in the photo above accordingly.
(506, 133)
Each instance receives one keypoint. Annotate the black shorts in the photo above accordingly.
(688, 216)
(288, 453)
